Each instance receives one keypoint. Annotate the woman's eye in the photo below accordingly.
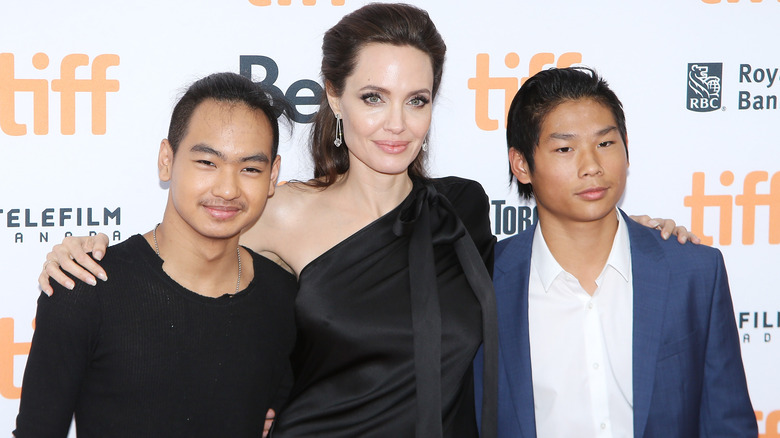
(419, 101)
(372, 98)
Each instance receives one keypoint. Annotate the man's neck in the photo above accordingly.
(204, 265)
(581, 248)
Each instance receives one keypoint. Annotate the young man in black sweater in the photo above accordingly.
(191, 336)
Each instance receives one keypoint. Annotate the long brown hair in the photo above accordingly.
(387, 23)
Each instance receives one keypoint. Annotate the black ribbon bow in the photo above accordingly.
(427, 208)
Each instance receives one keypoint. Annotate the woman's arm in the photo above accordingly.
(72, 255)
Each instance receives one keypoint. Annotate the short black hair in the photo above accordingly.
(540, 95)
(230, 88)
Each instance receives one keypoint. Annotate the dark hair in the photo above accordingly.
(394, 23)
(231, 88)
(540, 95)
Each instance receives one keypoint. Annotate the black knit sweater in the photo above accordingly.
(141, 356)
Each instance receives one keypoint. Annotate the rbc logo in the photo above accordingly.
(704, 86)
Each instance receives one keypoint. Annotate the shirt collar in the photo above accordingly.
(620, 254)
(548, 268)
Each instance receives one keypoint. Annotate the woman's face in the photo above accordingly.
(386, 107)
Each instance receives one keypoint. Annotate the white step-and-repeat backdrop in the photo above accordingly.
(87, 86)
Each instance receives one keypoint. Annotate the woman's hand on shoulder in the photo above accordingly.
(71, 256)
(668, 228)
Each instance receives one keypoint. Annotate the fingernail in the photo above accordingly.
(91, 281)
(103, 277)
(70, 285)
(665, 235)
(654, 223)
(98, 255)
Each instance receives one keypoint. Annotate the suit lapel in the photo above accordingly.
(651, 284)
(514, 347)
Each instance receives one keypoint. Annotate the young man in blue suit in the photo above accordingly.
(605, 329)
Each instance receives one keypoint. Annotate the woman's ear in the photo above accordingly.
(519, 166)
(334, 101)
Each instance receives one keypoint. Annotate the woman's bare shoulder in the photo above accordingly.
(281, 218)
(290, 199)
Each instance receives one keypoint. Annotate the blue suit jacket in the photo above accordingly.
(688, 379)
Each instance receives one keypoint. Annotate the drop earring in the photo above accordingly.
(425, 145)
(339, 134)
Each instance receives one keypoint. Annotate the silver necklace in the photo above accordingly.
(238, 253)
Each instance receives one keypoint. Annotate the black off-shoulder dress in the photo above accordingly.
(389, 321)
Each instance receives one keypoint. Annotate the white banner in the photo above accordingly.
(87, 87)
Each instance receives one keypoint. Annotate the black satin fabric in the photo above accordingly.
(389, 321)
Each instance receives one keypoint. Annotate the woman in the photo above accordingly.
(394, 292)
(388, 321)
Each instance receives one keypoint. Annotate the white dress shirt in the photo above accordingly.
(581, 345)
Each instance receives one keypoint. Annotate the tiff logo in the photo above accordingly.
(67, 86)
(771, 423)
(288, 2)
(748, 200)
(482, 83)
(9, 349)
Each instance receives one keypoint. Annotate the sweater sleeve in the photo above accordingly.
(66, 326)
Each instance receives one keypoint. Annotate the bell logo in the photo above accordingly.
(67, 85)
(301, 95)
(482, 83)
(748, 200)
(288, 2)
